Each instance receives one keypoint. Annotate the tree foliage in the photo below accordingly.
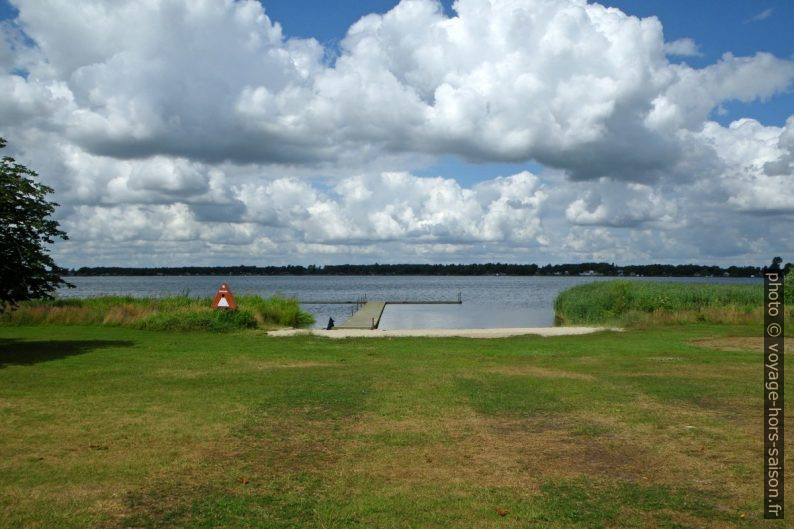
(26, 269)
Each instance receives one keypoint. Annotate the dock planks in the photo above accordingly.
(367, 317)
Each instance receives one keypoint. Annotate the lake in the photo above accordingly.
(488, 301)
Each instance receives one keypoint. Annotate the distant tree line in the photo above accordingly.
(604, 269)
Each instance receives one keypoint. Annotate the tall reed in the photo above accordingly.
(634, 303)
(175, 313)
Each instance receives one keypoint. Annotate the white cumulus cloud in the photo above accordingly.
(201, 124)
(685, 47)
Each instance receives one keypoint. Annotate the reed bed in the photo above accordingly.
(642, 304)
(175, 313)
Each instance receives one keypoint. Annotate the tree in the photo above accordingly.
(26, 269)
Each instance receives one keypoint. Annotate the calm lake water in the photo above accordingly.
(488, 301)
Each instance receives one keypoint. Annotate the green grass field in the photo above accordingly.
(122, 428)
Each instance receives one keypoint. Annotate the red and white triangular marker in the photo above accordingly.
(224, 299)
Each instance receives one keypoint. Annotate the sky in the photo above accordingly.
(220, 132)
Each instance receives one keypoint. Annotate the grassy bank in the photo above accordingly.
(176, 313)
(645, 303)
(116, 428)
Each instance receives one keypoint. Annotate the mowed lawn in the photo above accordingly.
(112, 427)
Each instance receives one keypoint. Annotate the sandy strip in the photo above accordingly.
(440, 333)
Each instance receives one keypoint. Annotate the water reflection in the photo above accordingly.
(466, 316)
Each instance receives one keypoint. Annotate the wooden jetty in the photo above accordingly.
(369, 312)
(367, 317)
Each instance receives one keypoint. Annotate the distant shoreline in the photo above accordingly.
(487, 269)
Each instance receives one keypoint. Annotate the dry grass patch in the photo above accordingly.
(249, 363)
(537, 371)
(268, 456)
(524, 454)
(713, 315)
(754, 344)
(468, 449)
(238, 365)
(697, 448)
(700, 372)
